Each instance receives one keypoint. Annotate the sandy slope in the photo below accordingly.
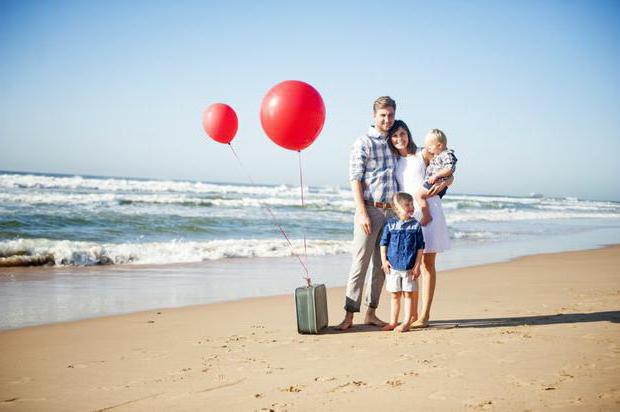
(539, 332)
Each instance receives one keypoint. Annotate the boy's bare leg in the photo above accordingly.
(429, 276)
(404, 327)
(347, 322)
(394, 311)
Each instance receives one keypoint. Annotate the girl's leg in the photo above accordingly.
(404, 327)
(394, 311)
(414, 305)
(429, 275)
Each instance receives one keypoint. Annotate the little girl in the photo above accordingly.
(402, 245)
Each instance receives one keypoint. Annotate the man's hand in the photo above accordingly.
(363, 220)
(385, 265)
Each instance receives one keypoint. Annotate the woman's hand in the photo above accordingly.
(437, 187)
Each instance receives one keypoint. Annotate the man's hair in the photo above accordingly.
(436, 135)
(411, 146)
(382, 103)
(401, 198)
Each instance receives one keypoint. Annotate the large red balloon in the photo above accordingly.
(220, 122)
(292, 114)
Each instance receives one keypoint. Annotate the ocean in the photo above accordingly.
(69, 226)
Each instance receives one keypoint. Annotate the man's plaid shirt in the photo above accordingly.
(373, 163)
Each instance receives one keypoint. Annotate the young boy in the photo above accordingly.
(443, 163)
(402, 245)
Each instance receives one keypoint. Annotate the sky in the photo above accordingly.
(528, 92)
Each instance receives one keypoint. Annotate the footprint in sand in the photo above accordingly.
(324, 379)
(394, 383)
(480, 406)
(292, 388)
(21, 381)
(349, 385)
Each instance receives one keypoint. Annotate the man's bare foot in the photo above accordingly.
(346, 323)
(419, 324)
(403, 327)
(389, 327)
(374, 320)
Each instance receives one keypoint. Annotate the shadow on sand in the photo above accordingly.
(568, 318)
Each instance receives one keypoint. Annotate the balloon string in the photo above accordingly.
(301, 187)
(273, 217)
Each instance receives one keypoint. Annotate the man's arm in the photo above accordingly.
(362, 214)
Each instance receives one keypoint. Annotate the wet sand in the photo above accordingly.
(539, 332)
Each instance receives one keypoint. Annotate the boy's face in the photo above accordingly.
(404, 210)
(434, 147)
(384, 119)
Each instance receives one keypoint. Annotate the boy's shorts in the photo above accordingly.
(399, 281)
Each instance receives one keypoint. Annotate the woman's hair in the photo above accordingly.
(400, 198)
(383, 102)
(411, 146)
(436, 135)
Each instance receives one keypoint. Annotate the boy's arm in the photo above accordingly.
(385, 264)
(443, 173)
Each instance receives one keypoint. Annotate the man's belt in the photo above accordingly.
(379, 205)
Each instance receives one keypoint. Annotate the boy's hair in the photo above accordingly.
(401, 197)
(411, 147)
(436, 135)
(383, 102)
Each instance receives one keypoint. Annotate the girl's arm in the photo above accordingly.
(416, 265)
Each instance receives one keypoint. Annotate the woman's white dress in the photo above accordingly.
(410, 173)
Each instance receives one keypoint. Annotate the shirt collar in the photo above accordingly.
(372, 132)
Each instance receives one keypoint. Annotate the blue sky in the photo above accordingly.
(528, 92)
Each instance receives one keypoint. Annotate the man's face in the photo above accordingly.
(384, 119)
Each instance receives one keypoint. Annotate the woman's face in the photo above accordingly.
(400, 140)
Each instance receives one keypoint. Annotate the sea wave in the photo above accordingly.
(31, 181)
(32, 252)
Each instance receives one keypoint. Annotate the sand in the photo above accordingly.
(539, 332)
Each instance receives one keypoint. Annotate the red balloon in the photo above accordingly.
(292, 114)
(220, 122)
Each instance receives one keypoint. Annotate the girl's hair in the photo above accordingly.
(411, 146)
(436, 135)
(401, 197)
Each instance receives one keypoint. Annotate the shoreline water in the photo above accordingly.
(45, 295)
(498, 340)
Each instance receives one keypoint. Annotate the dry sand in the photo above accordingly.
(540, 332)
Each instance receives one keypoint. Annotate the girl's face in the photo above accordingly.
(400, 140)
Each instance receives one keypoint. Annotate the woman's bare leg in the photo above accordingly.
(429, 275)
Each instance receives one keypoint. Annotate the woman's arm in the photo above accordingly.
(439, 186)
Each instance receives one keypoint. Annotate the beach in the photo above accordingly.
(536, 332)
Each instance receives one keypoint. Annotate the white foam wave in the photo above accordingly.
(65, 252)
(26, 181)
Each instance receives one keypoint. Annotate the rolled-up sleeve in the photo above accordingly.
(357, 162)
(385, 237)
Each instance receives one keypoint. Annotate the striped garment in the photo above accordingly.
(373, 163)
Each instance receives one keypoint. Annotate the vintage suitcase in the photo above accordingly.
(311, 304)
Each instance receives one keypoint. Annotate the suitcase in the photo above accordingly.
(311, 305)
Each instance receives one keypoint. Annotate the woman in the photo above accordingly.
(410, 172)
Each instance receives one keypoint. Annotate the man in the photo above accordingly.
(373, 184)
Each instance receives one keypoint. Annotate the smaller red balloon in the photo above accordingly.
(220, 122)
